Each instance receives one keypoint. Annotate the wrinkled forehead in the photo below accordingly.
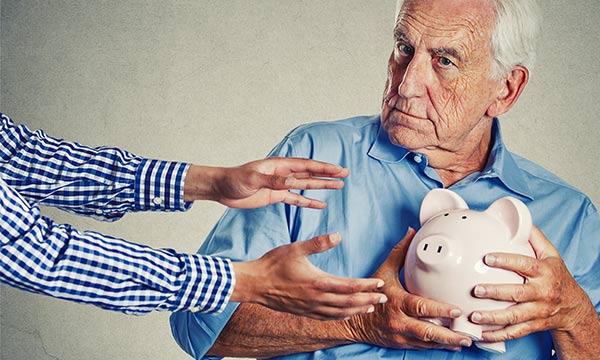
(469, 20)
(465, 24)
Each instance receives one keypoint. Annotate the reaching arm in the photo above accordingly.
(103, 182)
(40, 256)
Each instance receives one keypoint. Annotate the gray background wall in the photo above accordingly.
(217, 82)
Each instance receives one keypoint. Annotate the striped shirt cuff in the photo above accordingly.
(159, 186)
(208, 284)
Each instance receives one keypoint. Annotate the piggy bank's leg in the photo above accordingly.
(495, 347)
(464, 326)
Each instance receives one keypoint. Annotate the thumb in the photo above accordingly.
(319, 243)
(395, 259)
(542, 247)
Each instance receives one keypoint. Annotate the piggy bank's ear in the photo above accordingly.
(440, 200)
(514, 214)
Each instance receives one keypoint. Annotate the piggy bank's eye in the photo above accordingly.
(464, 216)
(446, 214)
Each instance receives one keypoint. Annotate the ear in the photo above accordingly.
(515, 215)
(509, 90)
(440, 200)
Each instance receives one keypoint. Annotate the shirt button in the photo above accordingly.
(157, 201)
(418, 159)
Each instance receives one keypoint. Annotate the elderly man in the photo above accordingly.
(456, 66)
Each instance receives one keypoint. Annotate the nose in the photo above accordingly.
(433, 249)
(415, 78)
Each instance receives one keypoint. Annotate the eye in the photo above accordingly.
(404, 49)
(445, 62)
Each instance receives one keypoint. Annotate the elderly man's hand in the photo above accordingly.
(396, 324)
(550, 298)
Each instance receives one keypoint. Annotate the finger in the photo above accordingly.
(299, 165)
(348, 302)
(312, 183)
(507, 292)
(511, 332)
(524, 265)
(291, 198)
(515, 314)
(432, 335)
(342, 285)
(420, 307)
(318, 244)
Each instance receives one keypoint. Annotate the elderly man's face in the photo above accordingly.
(439, 74)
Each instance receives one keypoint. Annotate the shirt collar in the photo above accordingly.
(384, 150)
(501, 163)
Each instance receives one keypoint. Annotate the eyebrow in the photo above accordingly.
(442, 51)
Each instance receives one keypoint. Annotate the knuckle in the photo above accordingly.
(428, 333)
(519, 294)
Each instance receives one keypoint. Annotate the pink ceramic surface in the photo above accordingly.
(445, 259)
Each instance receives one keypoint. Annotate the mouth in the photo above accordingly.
(394, 104)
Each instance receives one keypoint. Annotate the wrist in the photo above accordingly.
(200, 183)
(247, 283)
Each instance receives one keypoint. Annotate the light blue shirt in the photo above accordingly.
(380, 201)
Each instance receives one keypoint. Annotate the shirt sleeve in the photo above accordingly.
(104, 182)
(40, 256)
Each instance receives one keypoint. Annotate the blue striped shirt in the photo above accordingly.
(41, 256)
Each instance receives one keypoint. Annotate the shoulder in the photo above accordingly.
(358, 125)
(544, 183)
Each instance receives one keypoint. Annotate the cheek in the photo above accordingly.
(451, 103)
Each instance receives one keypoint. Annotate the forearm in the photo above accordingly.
(583, 341)
(101, 182)
(258, 332)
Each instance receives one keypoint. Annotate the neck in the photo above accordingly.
(454, 164)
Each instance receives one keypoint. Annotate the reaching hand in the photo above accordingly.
(550, 298)
(396, 324)
(263, 182)
(284, 280)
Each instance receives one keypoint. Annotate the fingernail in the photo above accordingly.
(380, 284)
(465, 342)
(335, 237)
(476, 317)
(490, 259)
(479, 290)
(383, 299)
(371, 309)
(455, 313)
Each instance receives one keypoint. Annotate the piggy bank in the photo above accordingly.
(445, 259)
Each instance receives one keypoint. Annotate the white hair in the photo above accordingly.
(514, 36)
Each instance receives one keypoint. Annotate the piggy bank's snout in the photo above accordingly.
(433, 249)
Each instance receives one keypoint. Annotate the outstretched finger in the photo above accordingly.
(314, 167)
(312, 183)
(291, 198)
